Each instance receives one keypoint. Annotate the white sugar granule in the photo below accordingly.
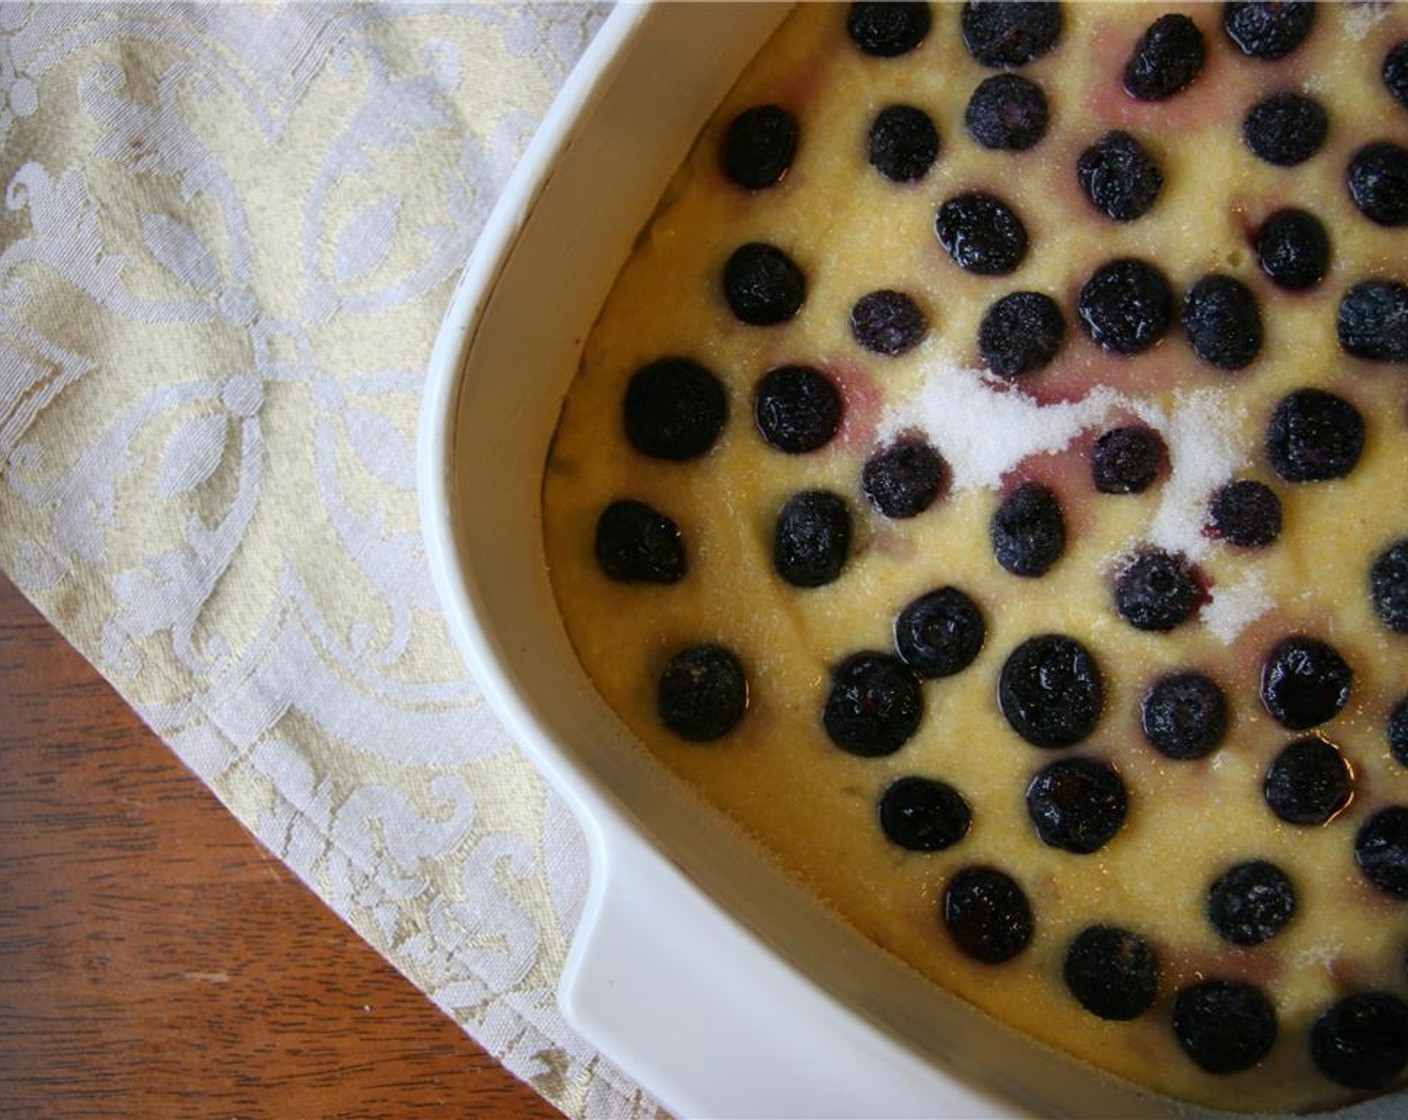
(1234, 606)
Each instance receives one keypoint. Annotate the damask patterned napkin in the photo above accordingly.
(229, 233)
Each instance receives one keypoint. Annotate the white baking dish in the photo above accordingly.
(716, 983)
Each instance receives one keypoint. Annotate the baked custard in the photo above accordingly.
(987, 482)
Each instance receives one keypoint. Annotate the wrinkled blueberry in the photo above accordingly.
(939, 633)
(1157, 590)
(923, 814)
(1077, 804)
(903, 480)
(1313, 436)
(1377, 178)
(1304, 682)
(981, 233)
(1397, 732)
(1388, 586)
(1381, 850)
(1004, 34)
(1119, 176)
(638, 544)
(1223, 322)
(1268, 29)
(1184, 716)
(763, 285)
(1126, 460)
(987, 914)
(1112, 972)
(1225, 1026)
(874, 705)
(674, 408)
(1007, 113)
(903, 143)
(1373, 321)
(812, 538)
(1168, 58)
(796, 408)
(1361, 1041)
(1294, 249)
(887, 28)
(1285, 128)
(703, 693)
(1021, 333)
(1028, 531)
(888, 322)
(1308, 782)
(1051, 691)
(759, 145)
(1126, 306)
(1251, 902)
(1245, 512)
(1395, 72)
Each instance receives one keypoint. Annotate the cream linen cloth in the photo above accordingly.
(229, 234)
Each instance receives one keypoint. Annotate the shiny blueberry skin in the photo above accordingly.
(888, 322)
(939, 633)
(1361, 1041)
(1077, 804)
(874, 705)
(1285, 129)
(1308, 782)
(1157, 590)
(796, 409)
(1184, 716)
(1268, 29)
(1004, 35)
(981, 233)
(1377, 178)
(1021, 333)
(1245, 513)
(1373, 321)
(703, 693)
(1314, 436)
(758, 146)
(1223, 322)
(1006, 113)
(1112, 972)
(1224, 1026)
(1119, 176)
(1388, 586)
(1293, 249)
(904, 479)
(923, 814)
(1126, 306)
(1381, 850)
(1251, 902)
(1167, 59)
(763, 285)
(1395, 72)
(987, 914)
(674, 409)
(1051, 691)
(903, 143)
(1126, 460)
(888, 28)
(636, 543)
(812, 538)
(1028, 531)
(1304, 682)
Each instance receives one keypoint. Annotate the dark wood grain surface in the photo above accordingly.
(156, 962)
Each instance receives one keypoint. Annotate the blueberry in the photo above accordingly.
(1308, 782)
(888, 322)
(763, 285)
(1028, 531)
(1251, 902)
(981, 233)
(1126, 460)
(1184, 716)
(1126, 306)
(1397, 732)
(1119, 176)
(1051, 691)
(874, 706)
(1021, 333)
(1313, 436)
(1167, 59)
(1361, 1041)
(796, 408)
(903, 480)
(1373, 321)
(1246, 513)
(1269, 29)
(1285, 128)
(939, 633)
(987, 914)
(903, 143)
(1304, 682)
(1388, 586)
(1004, 34)
(1381, 850)
(1112, 972)
(1377, 178)
(1395, 72)
(923, 814)
(1223, 322)
(1007, 113)
(887, 28)
(812, 538)
(638, 544)
(1225, 1026)
(759, 145)
(703, 693)
(1294, 249)
(1157, 590)
(674, 408)
(1077, 804)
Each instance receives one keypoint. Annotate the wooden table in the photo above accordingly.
(156, 962)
